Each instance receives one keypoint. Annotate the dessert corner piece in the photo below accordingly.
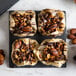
(23, 52)
(53, 52)
(23, 23)
(51, 22)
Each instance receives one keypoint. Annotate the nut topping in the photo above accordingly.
(24, 22)
(18, 44)
(48, 56)
(49, 23)
(27, 29)
(24, 52)
(53, 51)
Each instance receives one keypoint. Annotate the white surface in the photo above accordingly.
(66, 5)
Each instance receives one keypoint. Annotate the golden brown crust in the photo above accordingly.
(29, 42)
(56, 62)
(55, 29)
(29, 31)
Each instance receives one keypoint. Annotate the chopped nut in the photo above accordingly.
(27, 29)
(52, 58)
(54, 51)
(40, 55)
(16, 56)
(74, 41)
(23, 50)
(46, 59)
(59, 52)
(1, 59)
(24, 58)
(18, 44)
(48, 56)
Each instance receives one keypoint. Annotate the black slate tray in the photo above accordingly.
(6, 4)
(37, 37)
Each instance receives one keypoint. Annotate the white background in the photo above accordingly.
(69, 7)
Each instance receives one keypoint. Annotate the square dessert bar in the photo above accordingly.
(23, 23)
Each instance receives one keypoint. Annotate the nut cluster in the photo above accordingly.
(2, 57)
(22, 23)
(53, 52)
(72, 35)
(23, 52)
(50, 23)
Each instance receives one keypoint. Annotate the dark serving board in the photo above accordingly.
(6, 4)
(37, 37)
